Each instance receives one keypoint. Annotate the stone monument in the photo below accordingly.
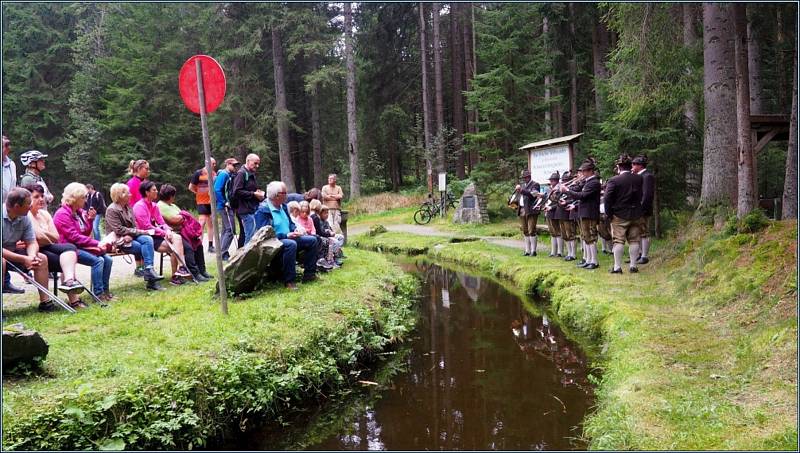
(472, 208)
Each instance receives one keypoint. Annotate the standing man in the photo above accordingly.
(588, 211)
(33, 161)
(19, 242)
(246, 195)
(553, 225)
(9, 182)
(529, 195)
(222, 186)
(566, 225)
(200, 187)
(623, 204)
(639, 166)
(96, 201)
(332, 198)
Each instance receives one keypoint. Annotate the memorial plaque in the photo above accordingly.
(468, 202)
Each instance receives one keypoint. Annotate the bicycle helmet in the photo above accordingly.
(31, 156)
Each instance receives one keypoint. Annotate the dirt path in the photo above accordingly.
(432, 231)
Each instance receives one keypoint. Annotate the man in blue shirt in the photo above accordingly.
(274, 212)
(17, 227)
(222, 188)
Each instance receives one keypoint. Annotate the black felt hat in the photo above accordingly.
(640, 160)
(555, 177)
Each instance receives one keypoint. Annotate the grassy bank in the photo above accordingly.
(167, 370)
(699, 348)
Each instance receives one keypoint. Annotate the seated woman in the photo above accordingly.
(74, 226)
(176, 218)
(138, 242)
(147, 216)
(60, 257)
(331, 242)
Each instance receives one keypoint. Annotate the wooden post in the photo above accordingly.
(201, 96)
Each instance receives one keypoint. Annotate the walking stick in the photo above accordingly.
(178, 256)
(41, 288)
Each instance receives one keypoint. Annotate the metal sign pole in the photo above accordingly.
(201, 96)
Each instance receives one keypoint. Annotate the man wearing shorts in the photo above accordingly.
(623, 204)
(200, 187)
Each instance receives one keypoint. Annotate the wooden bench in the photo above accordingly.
(56, 275)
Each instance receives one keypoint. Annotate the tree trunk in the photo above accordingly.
(754, 66)
(746, 201)
(789, 202)
(282, 113)
(319, 176)
(548, 121)
(437, 76)
(600, 46)
(573, 74)
(456, 64)
(469, 74)
(719, 145)
(352, 133)
(690, 113)
(426, 114)
(780, 60)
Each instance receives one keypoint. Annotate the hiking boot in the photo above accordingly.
(183, 272)
(47, 306)
(70, 286)
(153, 285)
(9, 288)
(175, 280)
(151, 276)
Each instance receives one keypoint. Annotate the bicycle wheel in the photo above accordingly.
(422, 216)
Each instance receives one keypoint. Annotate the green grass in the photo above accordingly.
(399, 215)
(168, 370)
(700, 348)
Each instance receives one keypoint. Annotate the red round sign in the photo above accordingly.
(213, 83)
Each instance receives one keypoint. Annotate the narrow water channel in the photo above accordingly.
(482, 373)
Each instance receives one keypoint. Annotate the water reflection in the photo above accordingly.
(484, 374)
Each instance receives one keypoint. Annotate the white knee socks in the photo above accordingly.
(645, 247)
(618, 249)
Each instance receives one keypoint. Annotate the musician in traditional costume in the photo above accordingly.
(589, 212)
(622, 203)
(553, 225)
(528, 208)
(639, 166)
(565, 223)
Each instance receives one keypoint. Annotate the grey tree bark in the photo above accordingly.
(573, 74)
(281, 112)
(316, 140)
(600, 46)
(469, 74)
(719, 92)
(754, 65)
(352, 133)
(548, 120)
(690, 113)
(441, 163)
(789, 201)
(746, 197)
(456, 65)
(426, 114)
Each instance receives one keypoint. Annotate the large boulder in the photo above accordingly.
(249, 268)
(22, 345)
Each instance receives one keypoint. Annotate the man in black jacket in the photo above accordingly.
(566, 225)
(528, 216)
(622, 203)
(553, 225)
(245, 194)
(648, 190)
(588, 211)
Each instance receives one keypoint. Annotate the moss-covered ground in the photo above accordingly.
(699, 349)
(168, 370)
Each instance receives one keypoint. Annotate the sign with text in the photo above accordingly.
(442, 182)
(546, 161)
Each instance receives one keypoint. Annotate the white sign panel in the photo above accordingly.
(442, 181)
(546, 161)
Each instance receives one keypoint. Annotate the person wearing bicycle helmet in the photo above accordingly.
(33, 161)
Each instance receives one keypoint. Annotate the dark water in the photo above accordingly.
(482, 373)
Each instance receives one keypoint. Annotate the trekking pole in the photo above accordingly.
(178, 257)
(41, 288)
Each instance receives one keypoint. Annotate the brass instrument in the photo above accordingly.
(513, 200)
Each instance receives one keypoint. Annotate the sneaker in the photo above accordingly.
(153, 285)
(200, 278)
(211, 249)
(139, 272)
(206, 275)
(151, 276)
(12, 289)
(71, 285)
(183, 272)
(47, 306)
(175, 280)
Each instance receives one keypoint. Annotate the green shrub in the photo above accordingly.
(753, 222)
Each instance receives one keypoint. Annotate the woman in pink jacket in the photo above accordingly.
(74, 226)
(147, 216)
